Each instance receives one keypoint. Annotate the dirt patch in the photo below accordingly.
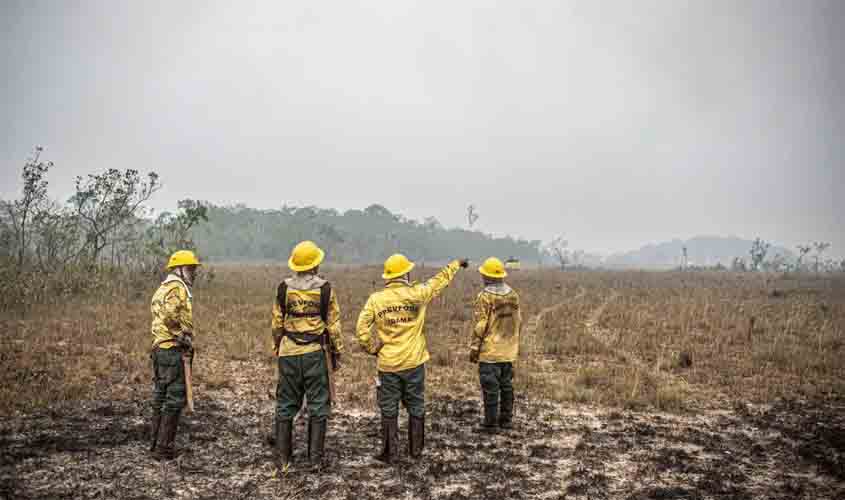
(98, 450)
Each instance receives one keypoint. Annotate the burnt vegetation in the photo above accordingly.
(607, 406)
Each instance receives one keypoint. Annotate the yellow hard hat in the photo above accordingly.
(305, 256)
(396, 265)
(182, 258)
(492, 268)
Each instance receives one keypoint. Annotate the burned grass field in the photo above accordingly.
(629, 385)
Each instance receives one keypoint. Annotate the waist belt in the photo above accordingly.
(302, 314)
(305, 338)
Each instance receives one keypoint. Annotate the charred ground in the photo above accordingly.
(791, 449)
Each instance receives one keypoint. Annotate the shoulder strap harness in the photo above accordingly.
(305, 338)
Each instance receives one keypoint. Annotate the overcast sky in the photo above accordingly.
(613, 123)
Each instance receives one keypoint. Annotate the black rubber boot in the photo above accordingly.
(154, 426)
(490, 420)
(506, 417)
(166, 437)
(389, 436)
(416, 436)
(284, 448)
(506, 410)
(316, 441)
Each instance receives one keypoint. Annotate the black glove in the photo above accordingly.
(185, 342)
(463, 263)
(473, 356)
(336, 361)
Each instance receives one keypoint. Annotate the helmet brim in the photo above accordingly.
(182, 258)
(488, 274)
(307, 267)
(393, 276)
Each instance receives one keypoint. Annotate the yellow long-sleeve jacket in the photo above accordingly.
(302, 315)
(497, 324)
(172, 312)
(398, 313)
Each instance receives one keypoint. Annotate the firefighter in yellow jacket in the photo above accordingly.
(307, 340)
(495, 344)
(172, 331)
(398, 313)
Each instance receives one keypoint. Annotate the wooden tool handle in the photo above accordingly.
(189, 384)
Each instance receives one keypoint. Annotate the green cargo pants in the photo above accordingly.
(169, 392)
(407, 386)
(497, 381)
(301, 376)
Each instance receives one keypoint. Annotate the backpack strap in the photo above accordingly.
(305, 338)
(282, 297)
(325, 297)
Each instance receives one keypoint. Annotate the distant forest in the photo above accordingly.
(238, 233)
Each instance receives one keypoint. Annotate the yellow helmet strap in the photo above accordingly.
(188, 278)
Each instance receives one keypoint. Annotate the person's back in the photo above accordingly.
(495, 343)
(398, 314)
(307, 335)
(172, 330)
(500, 303)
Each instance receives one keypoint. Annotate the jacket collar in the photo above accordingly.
(305, 281)
(498, 288)
(172, 277)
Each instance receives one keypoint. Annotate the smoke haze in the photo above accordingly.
(612, 123)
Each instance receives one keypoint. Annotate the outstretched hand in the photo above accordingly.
(464, 263)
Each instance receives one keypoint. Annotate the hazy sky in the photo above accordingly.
(613, 123)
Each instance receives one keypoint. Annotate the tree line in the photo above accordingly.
(49, 248)
(357, 236)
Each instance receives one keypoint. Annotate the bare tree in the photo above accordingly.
(106, 201)
(34, 197)
(803, 250)
(472, 216)
(559, 249)
(759, 249)
(819, 247)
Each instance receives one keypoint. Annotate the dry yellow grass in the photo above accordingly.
(606, 338)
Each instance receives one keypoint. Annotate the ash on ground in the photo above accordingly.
(788, 450)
